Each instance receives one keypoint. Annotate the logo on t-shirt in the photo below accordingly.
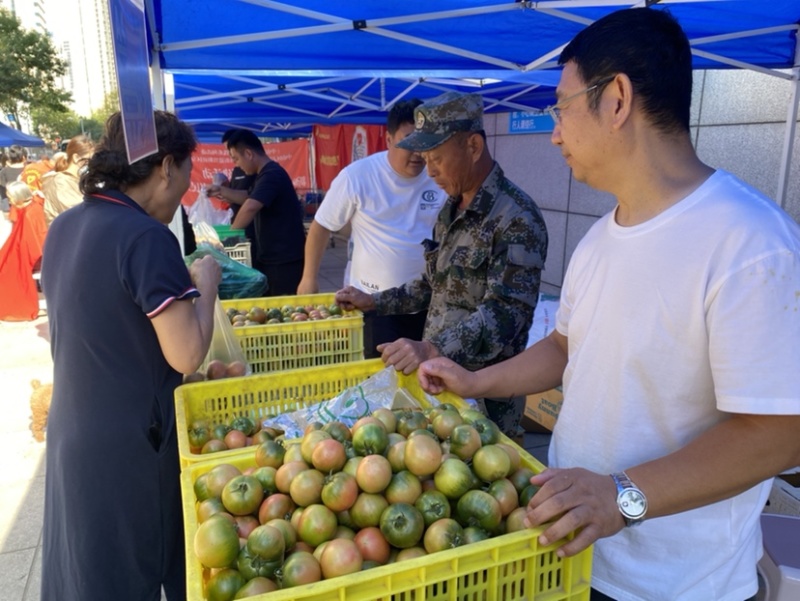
(430, 201)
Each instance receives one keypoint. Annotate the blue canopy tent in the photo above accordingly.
(10, 136)
(278, 67)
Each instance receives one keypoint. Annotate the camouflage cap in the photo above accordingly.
(439, 119)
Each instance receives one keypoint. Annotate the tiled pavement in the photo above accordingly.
(24, 356)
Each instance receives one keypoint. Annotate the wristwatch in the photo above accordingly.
(631, 502)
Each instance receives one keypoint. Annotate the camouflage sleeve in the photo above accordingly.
(506, 311)
(411, 297)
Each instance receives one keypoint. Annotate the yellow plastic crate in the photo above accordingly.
(280, 346)
(265, 395)
(512, 567)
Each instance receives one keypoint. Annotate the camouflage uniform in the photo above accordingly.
(481, 285)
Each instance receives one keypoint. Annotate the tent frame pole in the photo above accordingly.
(791, 128)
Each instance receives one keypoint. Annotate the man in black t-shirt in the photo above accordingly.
(240, 181)
(271, 205)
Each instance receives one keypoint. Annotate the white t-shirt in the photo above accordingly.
(671, 325)
(390, 216)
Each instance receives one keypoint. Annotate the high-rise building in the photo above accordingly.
(31, 13)
(82, 34)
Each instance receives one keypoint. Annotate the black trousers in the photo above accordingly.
(379, 329)
(282, 278)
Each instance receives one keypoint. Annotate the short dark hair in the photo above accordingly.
(651, 48)
(16, 153)
(109, 168)
(244, 138)
(400, 113)
(227, 135)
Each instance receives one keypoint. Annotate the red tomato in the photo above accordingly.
(464, 441)
(367, 510)
(516, 520)
(423, 455)
(287, 472)
(479, 508)
(245, 524)
(306, 488)
(505, 494)
(267, 542)
(310, 442)
(300, 568)
(242, 495)
(491, 463)
(372, 545)
(270, 454)
(287, 530)
(339, 492)
(374, 472)
(317, 525)
(224, 585)
(277, 506)
(443, 534)
(454, 478)
(402, 525)
(328, 456)
(433, 506)
(404, 487)
(370, 439)
(339, 558)
(256, 586)
(219, 476)
(216, 543)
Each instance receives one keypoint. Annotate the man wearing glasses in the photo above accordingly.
(484, 260)
(677, 336)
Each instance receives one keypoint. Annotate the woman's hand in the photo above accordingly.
(206, 275)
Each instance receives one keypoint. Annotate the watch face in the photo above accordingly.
(632, 503)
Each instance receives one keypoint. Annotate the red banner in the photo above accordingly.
(295, 158)
(336, 146)
(209, 159)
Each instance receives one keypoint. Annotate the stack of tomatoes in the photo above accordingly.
(395, 486)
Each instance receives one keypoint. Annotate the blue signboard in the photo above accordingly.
(133, 77)
(529, 123)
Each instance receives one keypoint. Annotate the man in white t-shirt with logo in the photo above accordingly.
(391, 205)
(677, 336)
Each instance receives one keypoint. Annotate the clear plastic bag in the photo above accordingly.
(204, 211)
(238, 280)
(225, 358)
(379, 390)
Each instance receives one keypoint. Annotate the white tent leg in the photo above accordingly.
(788, 140)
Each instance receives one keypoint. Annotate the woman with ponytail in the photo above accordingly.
(126, 319)
(61, 189)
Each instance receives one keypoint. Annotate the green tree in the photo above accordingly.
(29, 65)
(54, 126)
(110, 105)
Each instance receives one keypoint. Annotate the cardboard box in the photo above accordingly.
(541, 410)
(784, 499)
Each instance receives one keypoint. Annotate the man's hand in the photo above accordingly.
(442, 374)
(214, 191)
(405, 355)
(308, 286)
(350, 298)
(574, 499)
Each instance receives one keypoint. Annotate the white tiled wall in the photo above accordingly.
(738, 122)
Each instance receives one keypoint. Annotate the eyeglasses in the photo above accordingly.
(555, 109)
